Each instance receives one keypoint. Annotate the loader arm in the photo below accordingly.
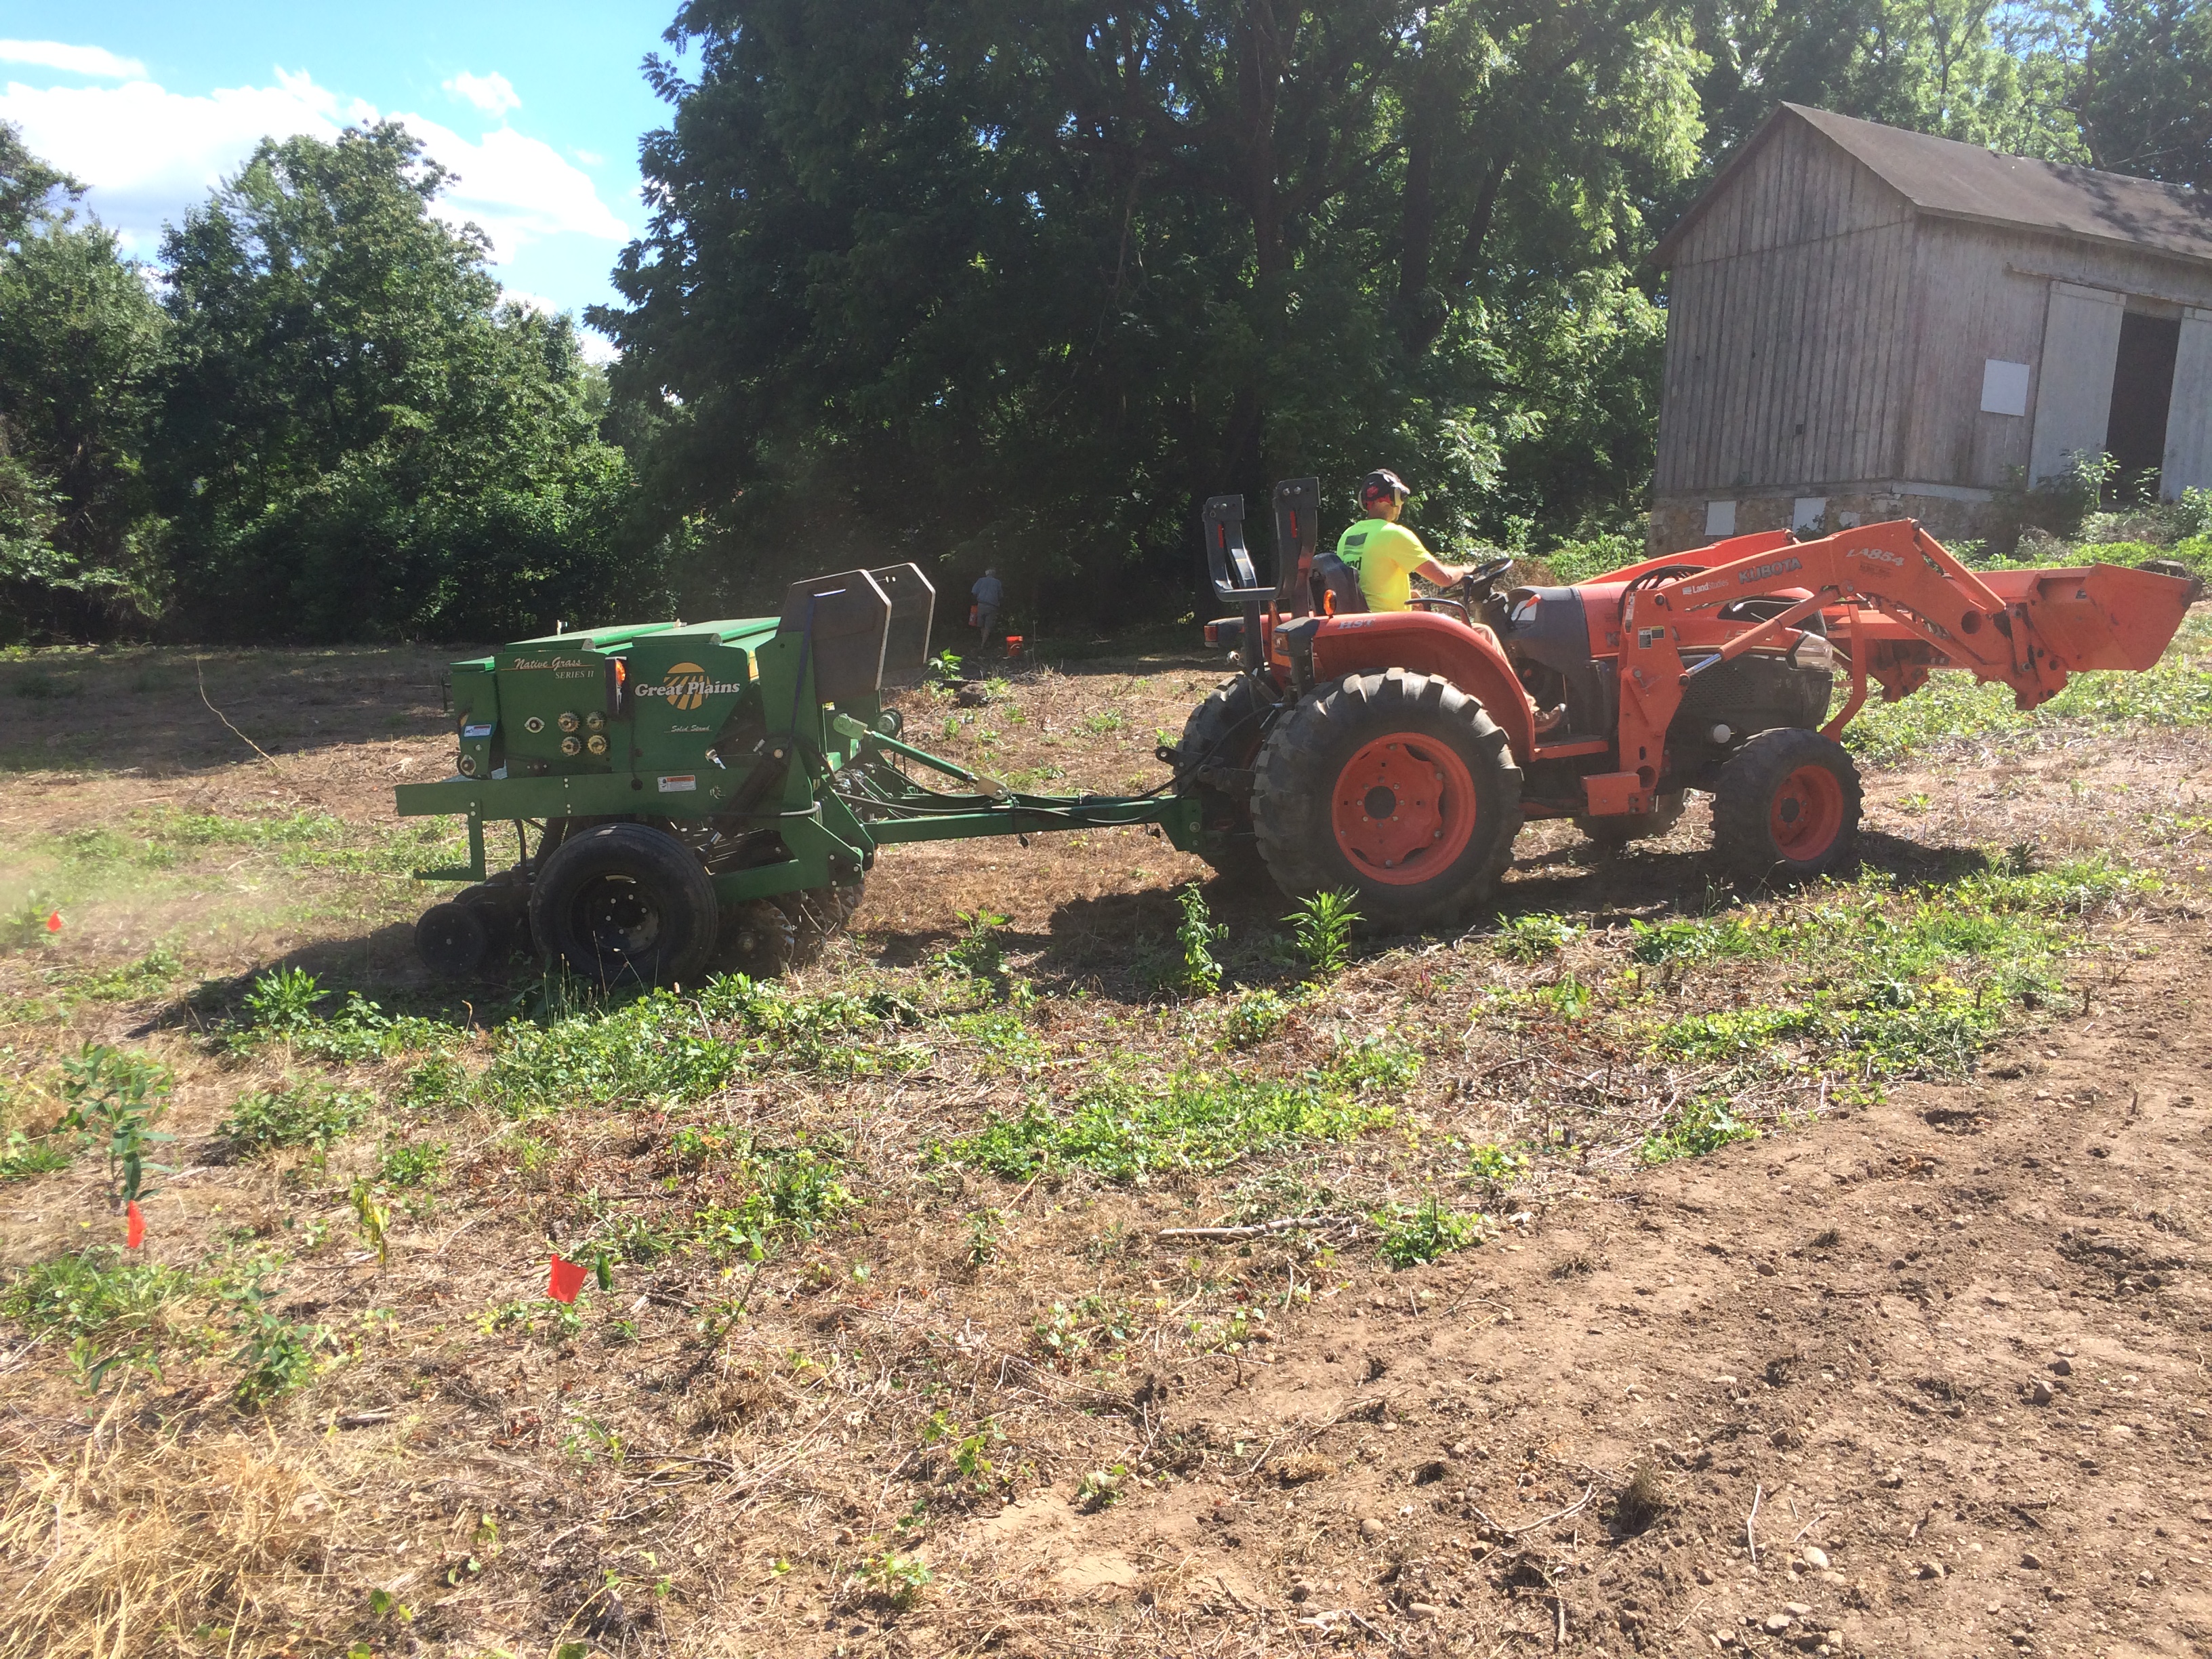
(1898, 604)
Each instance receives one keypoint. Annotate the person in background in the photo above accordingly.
(990, 594)
(1383, 554)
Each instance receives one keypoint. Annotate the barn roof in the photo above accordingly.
(1952, 181)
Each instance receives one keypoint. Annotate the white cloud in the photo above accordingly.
(96, 61)
(517, 188)
(493, 94)
(149, 154)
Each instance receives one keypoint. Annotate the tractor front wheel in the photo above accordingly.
(1786, 804)
(1397, 786)
(625, 903)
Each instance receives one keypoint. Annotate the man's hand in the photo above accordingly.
(1443, 575)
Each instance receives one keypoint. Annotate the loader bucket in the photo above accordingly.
(2104, 615)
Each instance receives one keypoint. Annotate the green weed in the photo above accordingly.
(155, 971)
(312, 1114)
(101, 1292)
(411, 1165)
(1202, 1122)
(1496, 1164)
(1703, 1126)
(1532, 938)
(1197, 933)
(23, 1155)
(1426, 1232)
(897, 1579)
(1256, 1017)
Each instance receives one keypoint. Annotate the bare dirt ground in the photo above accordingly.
(1922, 1369)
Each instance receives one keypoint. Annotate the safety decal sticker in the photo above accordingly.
(475, 731)
(680, 784)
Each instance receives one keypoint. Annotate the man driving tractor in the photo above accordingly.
(1383, 554)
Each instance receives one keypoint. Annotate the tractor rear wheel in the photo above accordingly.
(1614, 832)
(625, 903)
(1787, 804)
(1222, 735)
(1397, 786)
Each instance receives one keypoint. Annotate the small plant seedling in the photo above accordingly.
(115, 1099)
(1642, 1501)
(371, 1209)
(983, 1236)
(895, 1579)
(1101, 1487)
(1322, 926)
(1198, 934)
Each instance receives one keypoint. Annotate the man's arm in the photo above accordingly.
(1443, 575)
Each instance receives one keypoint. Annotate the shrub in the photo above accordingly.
(115, 1098)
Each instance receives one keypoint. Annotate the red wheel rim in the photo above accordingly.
(1403, 809)
(1807, 814)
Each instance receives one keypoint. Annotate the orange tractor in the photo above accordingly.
(1399, 753)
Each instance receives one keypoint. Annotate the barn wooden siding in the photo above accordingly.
(1820, 333)
(1789, 305)
(1984, 291)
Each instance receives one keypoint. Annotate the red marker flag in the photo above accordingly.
(136, 1233)
(568, 1279)
(54, 922)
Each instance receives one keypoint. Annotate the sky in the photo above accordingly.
(537, 109)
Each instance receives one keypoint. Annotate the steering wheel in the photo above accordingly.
(1477, 581)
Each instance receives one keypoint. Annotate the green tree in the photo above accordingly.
(79, 340)
(1023, 281)
(359, 438)
(2143, 88)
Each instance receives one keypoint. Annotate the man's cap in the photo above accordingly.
(1379, 484)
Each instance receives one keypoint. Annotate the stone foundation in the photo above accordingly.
(1678, 522)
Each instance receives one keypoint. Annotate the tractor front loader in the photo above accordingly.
(687, 796)
(1398, 753)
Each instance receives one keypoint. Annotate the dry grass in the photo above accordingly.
(884, 1433)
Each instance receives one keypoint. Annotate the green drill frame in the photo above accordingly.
(770, 733)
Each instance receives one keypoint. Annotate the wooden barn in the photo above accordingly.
(1865, 323)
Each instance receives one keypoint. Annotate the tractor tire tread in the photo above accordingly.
(1292, 788)
(645, 854)
(1743, 795)
(1223, 730)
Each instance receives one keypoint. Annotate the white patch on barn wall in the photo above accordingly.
(2004, 388)
(1808, 512)
(2074, 399)
(1720, 517)
(2188, 415)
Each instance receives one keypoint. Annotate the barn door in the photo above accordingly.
(2189, 417)
(2074, 382)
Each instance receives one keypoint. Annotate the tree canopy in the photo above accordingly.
(1011, 281)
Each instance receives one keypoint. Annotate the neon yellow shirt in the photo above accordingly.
(1384, 556)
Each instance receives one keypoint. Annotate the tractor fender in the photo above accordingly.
(1423, 642)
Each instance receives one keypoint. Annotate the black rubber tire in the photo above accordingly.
(1305, 755)
(1616, 832)
(451, 941)
(1745, 805)
(625, 904)
(1223, 732)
